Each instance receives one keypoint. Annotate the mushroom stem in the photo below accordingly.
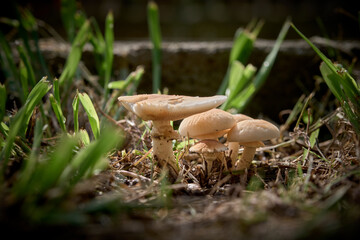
(234, 152)
(209, 159)
(162, 135)
(246, 158)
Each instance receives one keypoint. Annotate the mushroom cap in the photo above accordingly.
(208, 146)
(241, 117)
(252, 131)
(169, 107)
(210, 124)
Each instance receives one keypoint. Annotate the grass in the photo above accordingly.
(242, 83)
(341, 84)
(73, 161)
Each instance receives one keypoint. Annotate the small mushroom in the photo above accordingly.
(210, 150)
(234, 146)
(162, 109)
(211, 124)
(250, 133)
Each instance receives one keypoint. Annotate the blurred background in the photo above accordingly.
(211, 19)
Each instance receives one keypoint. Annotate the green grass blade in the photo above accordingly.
(58, 112)
(8, 65)
(294, 112)
(352, 109)
(109, 53)
(123, 84)
(56, 90)
(98, 42)
(23, 79)
(238, 84)
(25, 59)
(318, 52)
(313, 137)
(48, 173)
(30, 163)
(133, 78)
(84, 137)
(155, 36)
(14, 130)
(34, 98)
(75, 106)
(340, 83)
(91, 113)
(29, 34)
(245, 97)
(68, 11)
(242, 46)
(3, 96)
(88, 157)
(241, 49)
(75, 54)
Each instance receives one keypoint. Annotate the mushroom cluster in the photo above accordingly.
(161, 109)
(201, 121)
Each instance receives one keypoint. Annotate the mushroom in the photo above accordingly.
(210, 150)
(211, 124)
(250, 133)
(234, 146)
(162, 109)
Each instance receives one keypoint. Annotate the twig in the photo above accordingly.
(134, 175)
(143, 157)
(219, 183)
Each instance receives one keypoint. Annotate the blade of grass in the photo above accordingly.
(75, 106)
(68, 11)
(30, 163)
(91, 113)
(241, 49)
(29, 25)
(294, 112)
(245, 97)
(352, 110)
(58, 112)
(84, 137)
(109, 54)
(56, 90)
(155, 36)
(75, 54)
(88, 157)
(23, 79)
(49, 172)
(25, 59)
(3, 96)
(244, 42)
(15, 127)
(34, 98)
(238, 84)
(8, 65)
(98, 42)
(341, 84)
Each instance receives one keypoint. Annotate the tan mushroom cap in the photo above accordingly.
(241, 117)
(208, 146)
(210, 124)
(253, 131)
(169, 107)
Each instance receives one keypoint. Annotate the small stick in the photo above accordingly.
(134, 175)
(143, 157)
(219, 183)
